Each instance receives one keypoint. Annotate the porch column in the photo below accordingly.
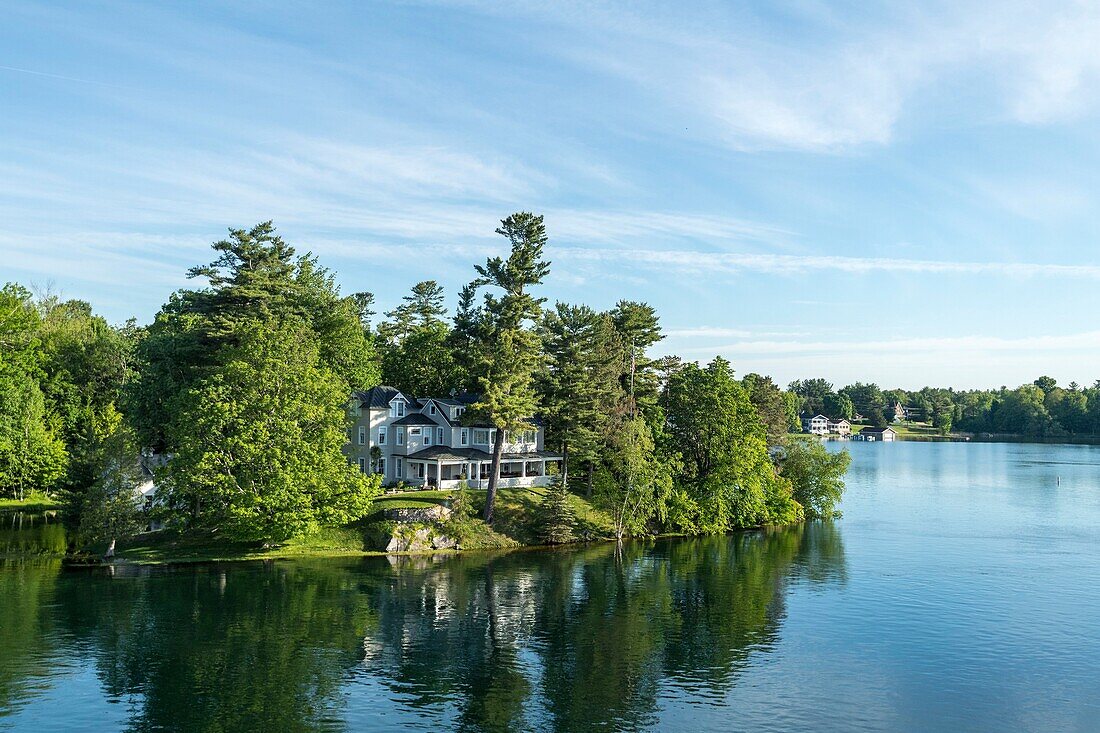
(439, 473)
(523, 469)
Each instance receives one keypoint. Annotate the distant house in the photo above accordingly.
(840, 427)
(427, 441)
(817, 425)
(901, 412)
(884, 435)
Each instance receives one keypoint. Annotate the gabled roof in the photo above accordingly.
(878, 431)
(378, 397)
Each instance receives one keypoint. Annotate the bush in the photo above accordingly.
(817, 477)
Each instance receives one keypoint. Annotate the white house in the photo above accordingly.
(818, 425)
(426, 442)
(840, 427)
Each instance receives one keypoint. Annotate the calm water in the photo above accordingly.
(961, 591)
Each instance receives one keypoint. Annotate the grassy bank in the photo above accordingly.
(513, 526)
(33, 503)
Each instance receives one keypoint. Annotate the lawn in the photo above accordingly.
(32, 503)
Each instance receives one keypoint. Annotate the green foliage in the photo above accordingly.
(580, 382)
(258, 442)
(726, 468)
(32, 456)
(109, 509)
(817, 477)
(635, 480)
(773, 406)
(555, 519)
(509, 350)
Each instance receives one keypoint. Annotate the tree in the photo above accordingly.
(634, 481)
(466, 336)
(771, 405)
(727, 471)
(422, 308)
(812, 392)
(256, 276)
(258, 442)
(32, 456)
(1045, 383)
(580, 382)
(109, 509)
(866, 398)
(639, 328)
(510, 349)
(817, 476)
(555, 517)
(837, 406)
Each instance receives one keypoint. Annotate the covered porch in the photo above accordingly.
(447, 468)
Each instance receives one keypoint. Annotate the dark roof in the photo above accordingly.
(416, 418)
(442, 452)
(451, 454)
(878, 430)
(378, 397)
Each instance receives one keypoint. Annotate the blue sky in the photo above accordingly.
(903, 194)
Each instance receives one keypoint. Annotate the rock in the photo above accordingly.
(434, 513)
(443, 542)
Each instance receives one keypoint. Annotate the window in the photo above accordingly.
(398, 467)
(382, 435)
(439, 436)
(397, 408)
(427, 436)
(362, 435)
(431, 408)
(413, 431)
(464, 436)
(382, 465)
(363, 465)
(481, 436)
(400, 435)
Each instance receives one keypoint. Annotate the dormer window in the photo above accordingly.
(397, 408)
(431, 408)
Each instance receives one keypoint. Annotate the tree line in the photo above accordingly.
(245, 379)
(1041, 409)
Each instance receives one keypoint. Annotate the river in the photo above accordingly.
(960, 591)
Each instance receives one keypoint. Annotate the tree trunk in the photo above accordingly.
(565, 465)
(494, 476)
(110, 551)
(591, 477)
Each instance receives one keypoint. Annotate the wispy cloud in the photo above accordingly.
(1084, 341)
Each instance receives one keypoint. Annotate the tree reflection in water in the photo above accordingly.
(570, 639)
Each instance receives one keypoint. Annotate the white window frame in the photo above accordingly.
(427, 436)
(382, 466)
(362, 435)
(382, 431)
(486, 432)
(362, 464)
(464, 436)
(439, 439)
(399, 435)
(397, 408)
(414, 431)
(431, 408)
(398, 467)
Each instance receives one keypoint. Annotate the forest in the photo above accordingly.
(244, 381)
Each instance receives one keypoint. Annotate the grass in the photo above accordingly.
(32, 503)
(512, 527)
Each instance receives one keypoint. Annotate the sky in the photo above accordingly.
(888, 192)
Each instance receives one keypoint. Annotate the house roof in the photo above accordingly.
(878, 431)
(378, 397)
(416, 418)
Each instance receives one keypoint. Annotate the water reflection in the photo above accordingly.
(574, 639)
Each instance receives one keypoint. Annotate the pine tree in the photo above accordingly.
(555, 516)
(510, 353)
